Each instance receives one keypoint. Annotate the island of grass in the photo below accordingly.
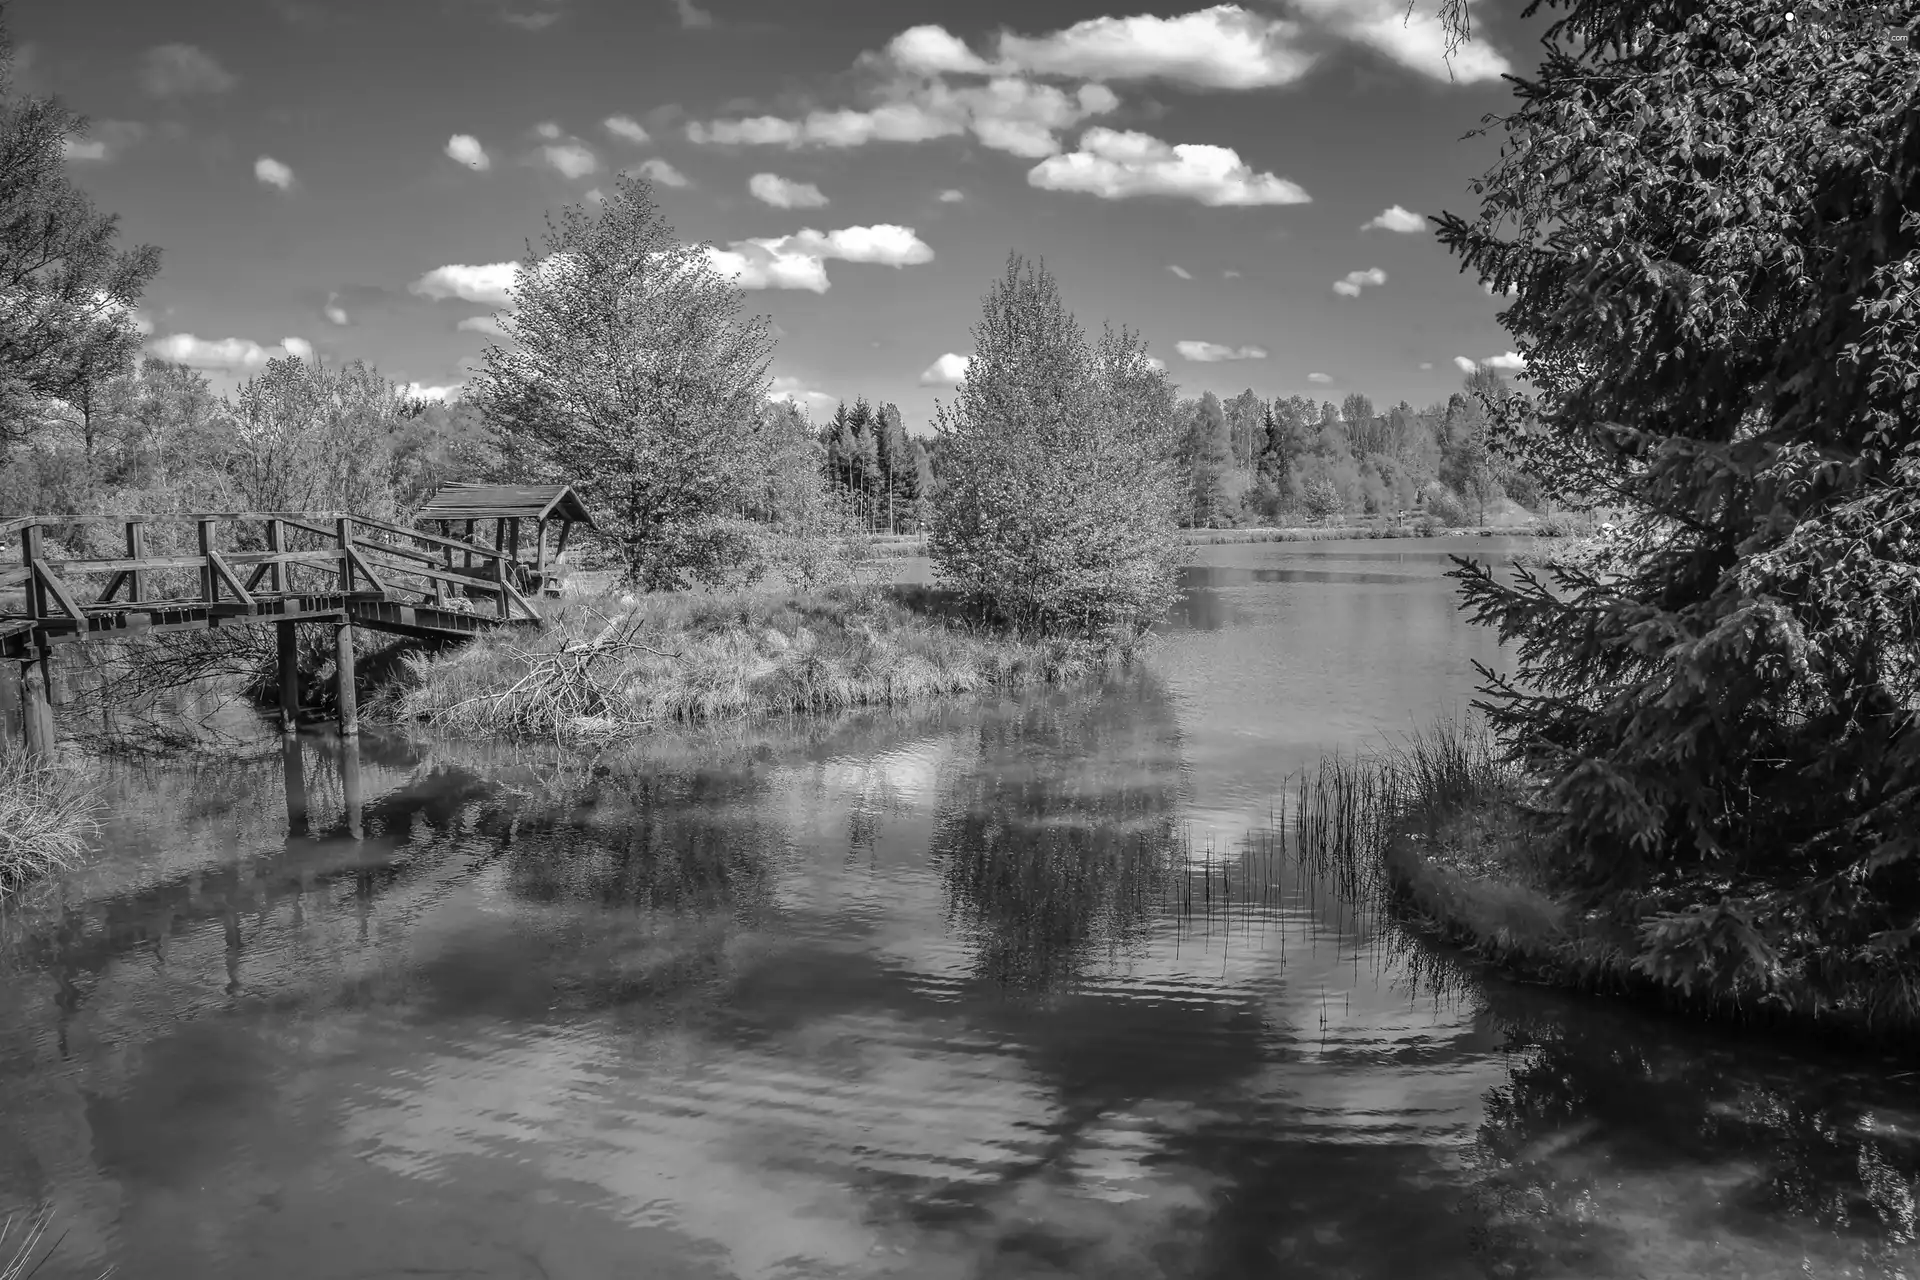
(607, 668)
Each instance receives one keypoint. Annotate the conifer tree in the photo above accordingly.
(1709, 214)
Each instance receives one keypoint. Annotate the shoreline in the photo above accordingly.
(1468, 882)
(889, 546)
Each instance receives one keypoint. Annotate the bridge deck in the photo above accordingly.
(247, 568)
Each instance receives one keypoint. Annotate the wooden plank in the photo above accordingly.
(136, 545)
(421, 535)
(365, 569)
(60, 592)
(224, 572)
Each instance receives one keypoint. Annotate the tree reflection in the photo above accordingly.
(1057, 844)
(1610, 1120)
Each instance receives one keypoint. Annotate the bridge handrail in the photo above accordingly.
(356, 558)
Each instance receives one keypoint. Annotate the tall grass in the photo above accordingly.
(46, 818)
(23, 1257)
(605, 670)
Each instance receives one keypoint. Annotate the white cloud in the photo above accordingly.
(181, 70)
(1426, 364)
(1354, 281)
(658, 170)
(1321, 378)
(952, 195)
(1486, 287)
(594, 195)
(1416, 40)
(83, 149)
(490, 283)
(142, 325)
(466, 148)
(796, 392)
(692, 16)
(415, 391)
(1115, 165)
(948, 371)
(334, 312)
(1222, 47)
(1006, 114)
(233, 355)
(799, 261)
(1180, 271)
(273, 173)
(771, 188)
(483, 324)
(572, 159)
(1395, 218)
(1214, 352)
(1157, 363)
(548, 129)
(1511, 362)
(626, 127)
(931, 50)
(1229, 275)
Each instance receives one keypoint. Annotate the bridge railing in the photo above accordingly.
(236, 559)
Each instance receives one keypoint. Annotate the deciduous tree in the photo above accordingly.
(630, 369)
(1058, 495)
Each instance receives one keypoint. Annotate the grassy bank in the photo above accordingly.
(46, 817)
(604, 670)
(1461, 860)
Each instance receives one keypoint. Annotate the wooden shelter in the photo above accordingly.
(507, 505)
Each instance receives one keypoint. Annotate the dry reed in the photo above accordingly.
(46, 818)
(18, 1260)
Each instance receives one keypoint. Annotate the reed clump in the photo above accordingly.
(24, 1248)
(606, 669)
(46, 819)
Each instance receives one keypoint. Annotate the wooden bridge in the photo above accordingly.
(203, 570)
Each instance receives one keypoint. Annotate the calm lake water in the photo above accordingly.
(909, 994)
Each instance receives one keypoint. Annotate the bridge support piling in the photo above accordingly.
(36, 713)
(289, 653)
(343, 672)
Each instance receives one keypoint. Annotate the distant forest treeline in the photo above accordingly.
(1247, 461)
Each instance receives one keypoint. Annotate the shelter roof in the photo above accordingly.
(506, 501)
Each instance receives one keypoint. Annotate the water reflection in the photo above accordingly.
(958, 991)
(1059, 840)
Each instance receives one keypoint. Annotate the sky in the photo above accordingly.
(1244, 184)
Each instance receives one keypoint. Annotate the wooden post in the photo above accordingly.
(35, 714)
(209, 581)
(343, 529)
(137, 550)
(30, 548)
(289, 652)
(343, 675)
(540, 554)
(278, 575)
(513, 540)
(500, 577)
(467, 564)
